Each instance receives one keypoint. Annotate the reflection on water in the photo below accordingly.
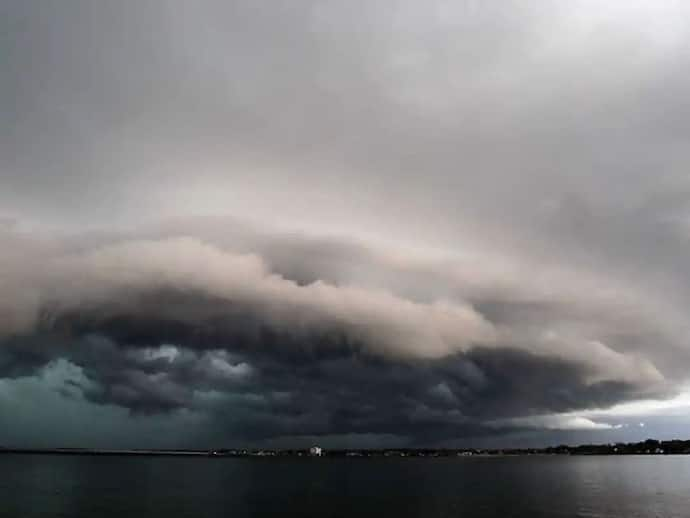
(34, 485)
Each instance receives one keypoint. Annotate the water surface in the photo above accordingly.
(102, 487)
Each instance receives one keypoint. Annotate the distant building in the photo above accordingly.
(315, 451)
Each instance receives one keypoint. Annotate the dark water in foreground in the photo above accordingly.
(72, 486)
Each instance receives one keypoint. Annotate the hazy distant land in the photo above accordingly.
(648, 447)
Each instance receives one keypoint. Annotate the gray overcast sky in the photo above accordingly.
(362, 222)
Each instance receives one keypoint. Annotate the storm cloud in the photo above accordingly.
(392, 220)
(159, 324)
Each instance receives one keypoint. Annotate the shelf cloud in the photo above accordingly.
(160, 324)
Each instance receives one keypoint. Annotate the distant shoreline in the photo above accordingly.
(648, 447)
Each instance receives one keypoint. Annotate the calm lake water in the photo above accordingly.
(72, 486)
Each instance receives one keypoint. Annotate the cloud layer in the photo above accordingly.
(159, 324)
(375, 221)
